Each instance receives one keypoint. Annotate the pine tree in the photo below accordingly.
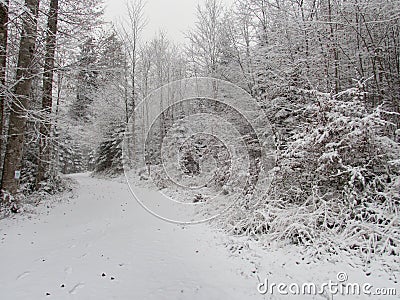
(86, 81)
(109, 154)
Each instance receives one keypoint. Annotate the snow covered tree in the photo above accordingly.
(3, 64)
(344, 170)
(47, 98)
(109, 153)
(25, 70)
(109, 107)
(86, 81)
(337, 177)
(206, 38)
(70, 156)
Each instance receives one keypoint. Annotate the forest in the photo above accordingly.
(324, 73)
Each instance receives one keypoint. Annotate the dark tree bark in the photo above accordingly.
(3, 65)
(25, 73)
(47, 100)
(333, 45)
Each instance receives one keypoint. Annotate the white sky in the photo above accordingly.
(173, 16)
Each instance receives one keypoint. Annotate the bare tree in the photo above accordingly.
(239, 37)
(137, 22)
(206, 37)
(131, 30)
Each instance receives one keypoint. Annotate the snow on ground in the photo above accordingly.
(101, 244)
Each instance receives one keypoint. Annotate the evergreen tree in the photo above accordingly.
(86, 81)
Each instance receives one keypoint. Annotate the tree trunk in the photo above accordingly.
(56, 145)
(47, 100)
(133, 115)
(16, 130)
(126, 97)
(333, 45)
(3, 65)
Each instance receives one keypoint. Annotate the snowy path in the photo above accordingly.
(103, 245)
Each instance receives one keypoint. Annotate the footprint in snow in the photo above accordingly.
(76, 288)
(23, 275)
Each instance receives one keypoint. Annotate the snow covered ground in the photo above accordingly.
(98, 243)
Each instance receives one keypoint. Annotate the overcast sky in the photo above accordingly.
(173, 16)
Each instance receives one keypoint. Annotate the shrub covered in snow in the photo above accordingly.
(337, 180)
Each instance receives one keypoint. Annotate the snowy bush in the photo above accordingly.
(158, 176)
(336, 183)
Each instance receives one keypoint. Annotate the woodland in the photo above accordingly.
(325, 73)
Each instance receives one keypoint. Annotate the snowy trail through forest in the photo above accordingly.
(101, 244)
